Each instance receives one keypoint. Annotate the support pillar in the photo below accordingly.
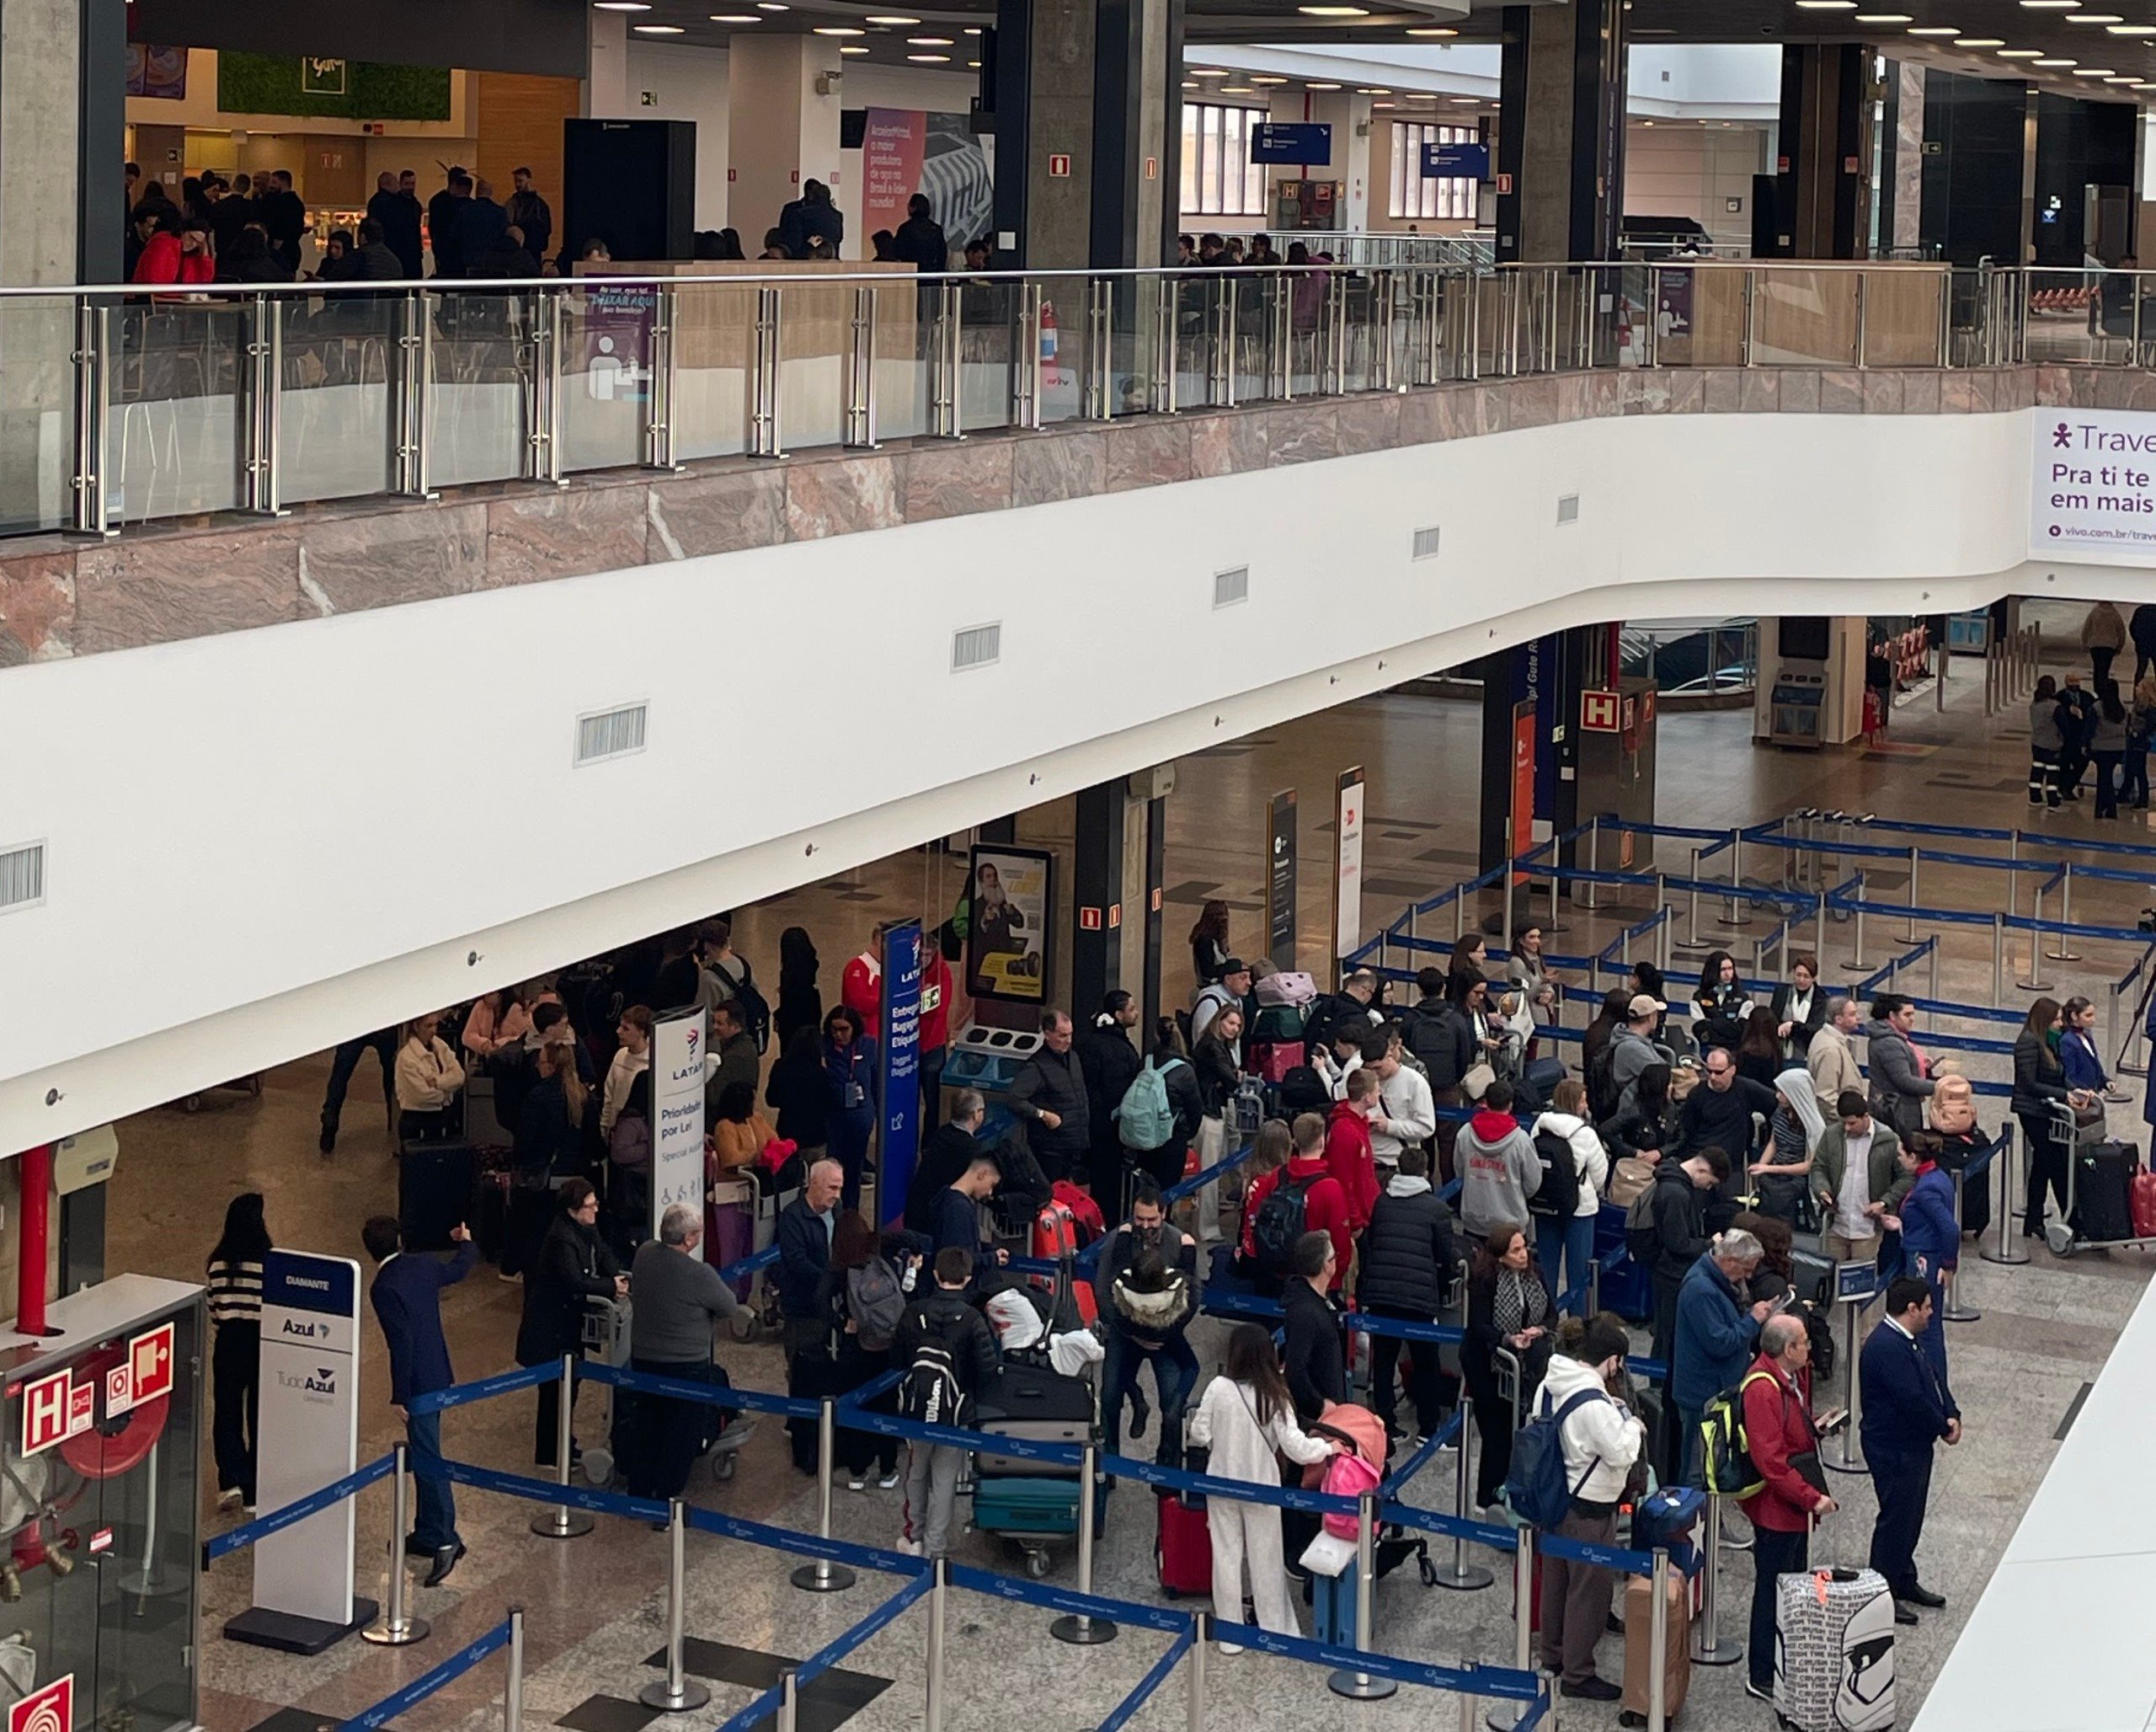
(1110, 879)
(1530, 742)
(782, 130)
(1562, 130)
(1822, 168)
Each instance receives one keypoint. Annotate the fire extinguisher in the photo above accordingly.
(1047, 333)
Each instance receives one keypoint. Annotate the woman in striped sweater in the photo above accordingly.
(234, 1280)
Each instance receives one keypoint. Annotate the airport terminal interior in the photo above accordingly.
(745, 699)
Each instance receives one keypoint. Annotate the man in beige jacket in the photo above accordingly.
(1831, 1059)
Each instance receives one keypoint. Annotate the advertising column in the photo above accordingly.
(309, 1433)
(677, 1114)
(899, 1080)
(1347, 866)
(1280, 879)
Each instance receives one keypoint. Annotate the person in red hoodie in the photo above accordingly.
(861, 987)
(1777, 1396)
(1347, 1156)
(1325, 1204)
(176, 254)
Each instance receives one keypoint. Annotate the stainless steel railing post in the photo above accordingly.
(1459, 1574)
(415, 366)
(1360, 1685)
(1025, 369)
(861, 374)
(92, 499)
(2065, 953)
(823, 1576)
(933, 1717)
(944, 360)
(1503, 1716)
(553, 308)
(1081, 1629)
(1166, 343)
(665, 381)
(397, 1626)
(677, 1693)
(1194, 1699)
(1708, 1647)
(513, 1684)
(1100, 348)
(560, 1522)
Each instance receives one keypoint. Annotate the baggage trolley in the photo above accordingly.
(1031, 1505)
(606, 1340)
(2063, 1237)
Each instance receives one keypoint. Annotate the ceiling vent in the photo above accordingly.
(1426, 544)
(976, 646)
(22, 876)
(1568, 509)
(1231, 587)
(611, 733)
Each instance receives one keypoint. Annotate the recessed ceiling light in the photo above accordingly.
(1440, 30)
(2096, 72)
(2124, 78)
(2145, 87)
(735, 17)
(1826, 5)
(2054, 62)
(1320, 87)
(656, 29)
(2092, 18)
(2021, 54)
(853, 48)
(1267, 79)
(2052, 5)
(1885, 18)
(1189, 84)
(1980, 41)
(931, 60)
(1237, 90)
(644, 5)
(2130, 30)
(890, 18)
(1468, 101)
(838, 30)
(1335, 11)
(930, 41)
(1373, 90)
(975, 65)
(1208, 72)
(1385, 104)
(773, 6)
(973, 30)
(1936, 30)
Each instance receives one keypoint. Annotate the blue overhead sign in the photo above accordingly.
(1455, 162)
(1308, 142)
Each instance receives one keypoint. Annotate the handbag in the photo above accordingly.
(1479, 1078)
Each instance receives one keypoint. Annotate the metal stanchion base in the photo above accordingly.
(2013, 1257)
(2062, 955)
(1081, 1631)
(1464, 1578)
(560, 1525)
(1957, 1313)
(2034, 986)
(1851, 1462)
(693, 1696)
(384, 1635)
(822, 1577)
(1725, 1651)
(1506, 1715)
(1361, 1686)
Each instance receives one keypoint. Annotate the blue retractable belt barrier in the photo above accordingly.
(436, 1401)
(750, 1263)
(390, 1707)
(723, 1395)
(313, 1504)
(549, 1491)
(1616, 1558)
(764, 1707)
(1281, 1497)
(1069, 1600)
(1396, 1481)
(1500, 1682)
(1496, 1535)
(1197, 1181)
(836, 1650)
(875, 1386)
(1120, 1716)
(804, 1545)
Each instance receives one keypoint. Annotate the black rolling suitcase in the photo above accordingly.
(433, 1191)
(2102, 1190)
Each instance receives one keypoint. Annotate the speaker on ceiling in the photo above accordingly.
(632, 183)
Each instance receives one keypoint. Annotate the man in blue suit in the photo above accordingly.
(1907, 1408)
(406, 1296)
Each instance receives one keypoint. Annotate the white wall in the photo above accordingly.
(686, 85)
(311, 865)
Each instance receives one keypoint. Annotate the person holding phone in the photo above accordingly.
(1784, 1443)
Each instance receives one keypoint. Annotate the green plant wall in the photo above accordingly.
(271, 84)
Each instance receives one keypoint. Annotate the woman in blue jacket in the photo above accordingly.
(2077, 1048)
(1931, 1236)
(850, 1098)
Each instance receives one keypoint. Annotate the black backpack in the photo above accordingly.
(1602, 1093)
(756, 1013)
(1559, 1194)
(1642, 1239)
(931, 1392)
(1280, 1222)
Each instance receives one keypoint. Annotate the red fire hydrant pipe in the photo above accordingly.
(34, 1171)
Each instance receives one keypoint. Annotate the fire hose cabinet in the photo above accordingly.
(99, 1439)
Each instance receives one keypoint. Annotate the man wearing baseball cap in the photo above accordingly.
(1632, 1048)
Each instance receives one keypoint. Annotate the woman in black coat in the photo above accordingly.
(1507, 1307)
(574, 1266)
(795, 1091)
(800, 999)
(2039, 1090)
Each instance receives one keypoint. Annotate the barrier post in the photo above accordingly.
(1362, 1686)
(1459, 914)
(1740, 909)
(1708, 1647)
(561, 1522)
(1849, 1461)
(933, 1717)
(1505, 890)
(2009, 1250)
(1912, 935)
(1934, 989)
(2013, 870)
(513, 1685)
(1819, 937)
(789, 1700)
(1459, 1574)
(1952, 1310)
(2034, 982)
(1661, 932)
(2064, 953)
(1857, 961)
(1998, 961)
(1691, 939)
(1201, 1624)
(1595, 1286)
(1591, 899)
(1658, 1644)
(1504, 1715)
(823, 1576)
(675, 1694)
(1082, 1629)
(396, 1627)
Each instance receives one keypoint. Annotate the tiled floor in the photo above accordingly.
(596, 1605)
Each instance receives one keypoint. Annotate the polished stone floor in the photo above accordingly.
(594, 1605)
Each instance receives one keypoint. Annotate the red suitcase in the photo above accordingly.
(1182, 1548)
(2141, 1201)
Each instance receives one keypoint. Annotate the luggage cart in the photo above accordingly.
(2063, 1237)
(606, 1340)
(249, 1084)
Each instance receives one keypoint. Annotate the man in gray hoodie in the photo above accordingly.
(1632, 1048)
(1498, 1166)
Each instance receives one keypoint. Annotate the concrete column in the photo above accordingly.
(1562, 130)
(1545, 674)
(605, 94)
(1088, 128)
(782, 129)
(1109, 891)
(1824, 165)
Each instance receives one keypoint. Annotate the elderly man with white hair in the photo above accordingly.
(678, 1296)
(1717, 1333)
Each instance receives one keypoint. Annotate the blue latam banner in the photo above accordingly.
(1307, 142)
(1455, 162)
(901, 1058)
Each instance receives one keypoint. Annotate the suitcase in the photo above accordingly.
(1332, 1608)
(1834, 1651)
(1639, 1639)
(1273, 1059)
(1536, 1083)
(2103, 1210)
(1025, 1507)
(1034, 1403)
(1279, 1022)
(433, 1191)
(2141, 1201)
(490, 1213)
(1182, 1546)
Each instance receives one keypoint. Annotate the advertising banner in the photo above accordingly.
(1280, 879)
(909, 151)
(309, 1431)
(1010, 904)
(2093, 486)
(892, 143)
(1522, 813)
(899, 1057)
(1347, 863)
(677, 1112)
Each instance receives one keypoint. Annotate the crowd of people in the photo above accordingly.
(2075, 729)
(1417, 1163)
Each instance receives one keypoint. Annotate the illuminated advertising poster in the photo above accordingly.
(1010, 898)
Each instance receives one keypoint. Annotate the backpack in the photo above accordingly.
(1346, 1475)
(1642, 1242)
(1602, 1092)
(1281, 1220)
(1143, 1118)
(1559, 1194)
(930, 1393)
(756, 1013)
(1538, 1490)
(1724, 1450)
(1085, 1215)
(876, 1303)
(628, 1144)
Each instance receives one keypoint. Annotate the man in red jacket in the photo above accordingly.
(1777, 1394)
(861, 987)
(1325, 1204)
(1347, 1154)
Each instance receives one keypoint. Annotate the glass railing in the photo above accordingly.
(118, 407)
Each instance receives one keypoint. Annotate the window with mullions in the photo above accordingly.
(1219, 179)
(1413, 195)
